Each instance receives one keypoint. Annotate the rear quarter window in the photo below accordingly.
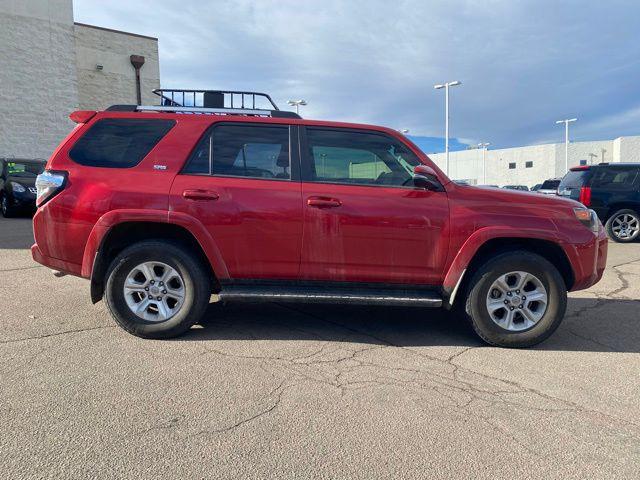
(119, 142)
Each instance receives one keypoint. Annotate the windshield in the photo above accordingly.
(574, 179)
(24, 169)
(550, 185)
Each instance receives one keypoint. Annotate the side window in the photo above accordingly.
(256, 151)
(615, 178)
(119, 142)
(343, 156)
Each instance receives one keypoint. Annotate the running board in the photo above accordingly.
(339, 296)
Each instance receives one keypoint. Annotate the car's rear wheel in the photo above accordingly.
(156, 289)
(624, 226)
(516, 299)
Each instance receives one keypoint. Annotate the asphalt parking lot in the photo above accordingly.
(281, 391)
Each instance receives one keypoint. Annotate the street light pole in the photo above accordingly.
(484, 146)
(297, 103)
(566, 140)
(446, 117)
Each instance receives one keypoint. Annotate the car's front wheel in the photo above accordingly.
(516, 299)
(624, 226)
(7, 210)
(156, 289)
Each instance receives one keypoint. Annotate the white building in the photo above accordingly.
(51, 66)
(536, 163)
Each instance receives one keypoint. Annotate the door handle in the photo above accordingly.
(323, 202)
(200, 195)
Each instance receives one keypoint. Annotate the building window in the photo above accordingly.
(528, 165)
(583, 162)
(512, 166)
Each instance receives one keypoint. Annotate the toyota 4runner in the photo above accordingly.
(222, 193)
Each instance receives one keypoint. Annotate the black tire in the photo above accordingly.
(7, 211)
(521, 260)
(609, 226)
(197, 286)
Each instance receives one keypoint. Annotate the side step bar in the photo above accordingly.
(339, 296)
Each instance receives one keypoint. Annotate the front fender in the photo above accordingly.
(467, 252)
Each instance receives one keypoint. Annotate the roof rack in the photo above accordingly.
(212, 102)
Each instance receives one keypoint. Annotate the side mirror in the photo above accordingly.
(425, 177)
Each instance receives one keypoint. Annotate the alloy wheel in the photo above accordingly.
(154, 291)
(517, 301)
(625, 226)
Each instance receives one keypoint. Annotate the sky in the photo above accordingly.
(523, 64)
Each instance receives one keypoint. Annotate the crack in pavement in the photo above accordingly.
(467, 386)
(55, 334)
(21, 268)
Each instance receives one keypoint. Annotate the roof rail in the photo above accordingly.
(211, 102)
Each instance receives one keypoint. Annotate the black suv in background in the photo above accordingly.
(18, 185)
(613, 191)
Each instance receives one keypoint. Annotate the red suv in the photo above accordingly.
(161, 207)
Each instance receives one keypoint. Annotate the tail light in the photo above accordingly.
(585, 196)
(48, 184)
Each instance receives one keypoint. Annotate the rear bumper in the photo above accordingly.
(54, 263)
(589, 260)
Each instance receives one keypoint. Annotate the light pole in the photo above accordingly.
(297, 103)
(566, 140)
(484, 146)
(446, 117)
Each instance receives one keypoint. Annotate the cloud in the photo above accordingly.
(523, 64)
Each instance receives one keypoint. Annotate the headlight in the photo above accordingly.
(18, 187)
(588, 218)
(48, 184)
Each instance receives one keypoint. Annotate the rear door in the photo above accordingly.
(364, 221)
(242, 183)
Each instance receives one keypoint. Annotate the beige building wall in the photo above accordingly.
(38, 82)
(115, 83)
(48, 70)
(547, 161)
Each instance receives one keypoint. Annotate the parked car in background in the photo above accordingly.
(549, 187)
(161, 206)
(612, 191)
(536, 187)
(524, 188)
(17, 185)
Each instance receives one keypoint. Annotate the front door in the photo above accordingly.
(364, 221)
(238, 183)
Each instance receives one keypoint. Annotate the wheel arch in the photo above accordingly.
(457, 283)
(125, 233)
(617, 206)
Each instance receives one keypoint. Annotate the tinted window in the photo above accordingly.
(512, 166)
(614, 178)
(119, 142)
(258, 151)
(341, 156)
(550, 184)
(574, 179)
